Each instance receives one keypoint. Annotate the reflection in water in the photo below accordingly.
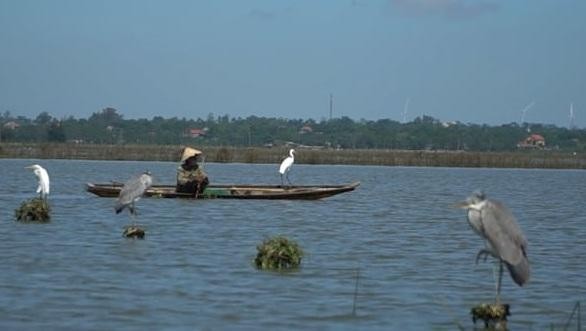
(414, 252)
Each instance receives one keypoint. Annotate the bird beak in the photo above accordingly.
(29, 167)
(461, 205)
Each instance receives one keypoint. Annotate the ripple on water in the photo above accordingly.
(415, 254)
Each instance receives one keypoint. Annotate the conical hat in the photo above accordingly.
(189, 152)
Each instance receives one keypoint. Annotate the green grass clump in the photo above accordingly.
(491, 314)
(33, 210)
(278, 253)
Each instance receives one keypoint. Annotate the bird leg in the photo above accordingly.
(43, 198)
(282, 182)
(132, 210)
(289, 181)
(483, 253)
(499, 282)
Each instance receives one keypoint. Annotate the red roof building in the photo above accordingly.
(194, 132)
(533, 141)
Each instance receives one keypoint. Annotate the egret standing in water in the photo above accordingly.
(286, 166)
(132, 191)
(504, 240)
(43, 178)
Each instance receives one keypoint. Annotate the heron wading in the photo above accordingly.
(131, 192)
(495, 223)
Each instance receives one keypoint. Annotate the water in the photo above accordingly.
(193, 270)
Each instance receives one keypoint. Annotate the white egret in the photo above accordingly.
(43, 178)
(132, 191)
(286, 166)
(492, 221)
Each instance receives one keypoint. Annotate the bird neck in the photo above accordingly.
(478, 205)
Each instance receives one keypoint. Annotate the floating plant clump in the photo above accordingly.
(278, 253)
(134, 232)
(493, 315)
(33, 210)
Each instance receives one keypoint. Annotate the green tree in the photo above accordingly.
(56, 132)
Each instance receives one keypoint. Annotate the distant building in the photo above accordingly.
(449, 123)
(11, 125)
(306, 129)
(533, 141)
(195, 132)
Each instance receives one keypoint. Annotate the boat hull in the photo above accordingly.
(267, 192)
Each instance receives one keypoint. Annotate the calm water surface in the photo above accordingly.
(415, 253)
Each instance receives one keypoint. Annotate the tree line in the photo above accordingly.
(108, 126)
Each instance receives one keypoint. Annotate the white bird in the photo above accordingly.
(132, 191)
(286, 166)
(43, 178)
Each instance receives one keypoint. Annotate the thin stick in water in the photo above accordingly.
(355, 292)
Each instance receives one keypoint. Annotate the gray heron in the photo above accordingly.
(495, 223)
(43, 178)
(286, 166)
(132, 191)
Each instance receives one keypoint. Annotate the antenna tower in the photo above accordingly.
(405, 109)
(331, 105)
(524, 111)
(571, 115)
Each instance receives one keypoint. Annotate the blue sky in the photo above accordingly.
(476, 61)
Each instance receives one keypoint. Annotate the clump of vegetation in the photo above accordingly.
(33, 210)
(494, 316)
(278, 253)
(134, 232)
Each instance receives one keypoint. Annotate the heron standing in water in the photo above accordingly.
(43, 178)
(504, 240)
(286, 166)
(132, 191)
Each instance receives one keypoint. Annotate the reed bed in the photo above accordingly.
(384, 157)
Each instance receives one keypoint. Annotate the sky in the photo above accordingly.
(473, 61)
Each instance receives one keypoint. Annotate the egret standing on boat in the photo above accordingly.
(504, 240)
(286, 166)
(43, 178)
(132, 191)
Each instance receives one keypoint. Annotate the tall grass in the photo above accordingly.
(519, 159)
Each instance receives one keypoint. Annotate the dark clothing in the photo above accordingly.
(193, 181)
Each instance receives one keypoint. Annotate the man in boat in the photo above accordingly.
(190, 176)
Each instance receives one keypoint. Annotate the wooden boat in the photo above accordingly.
(303, 192)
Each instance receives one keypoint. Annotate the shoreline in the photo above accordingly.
(545, 159)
